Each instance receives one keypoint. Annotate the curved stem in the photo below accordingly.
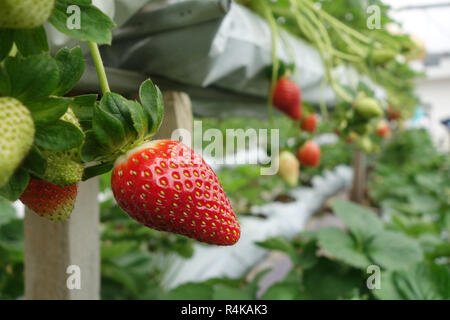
(98, 62)
(337, 23)
(273, 28)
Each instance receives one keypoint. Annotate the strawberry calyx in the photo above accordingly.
(120, 125)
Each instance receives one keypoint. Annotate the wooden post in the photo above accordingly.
(177, 114)
(52, 247)
(359, 177)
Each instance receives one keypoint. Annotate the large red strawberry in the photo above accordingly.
(165, 185)
(287, 98)
(49, 200)
(310, 123)
(309, 154)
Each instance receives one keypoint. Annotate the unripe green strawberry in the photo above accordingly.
(289, 169)
(16, 136)
(368, 108)
(381, 56)
(365, 144)
(64, 167)
(48, 200)
(25, 14)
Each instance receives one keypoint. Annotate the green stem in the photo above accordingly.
(323, 105)
(98, 62)
(338, 24)
(274, 31)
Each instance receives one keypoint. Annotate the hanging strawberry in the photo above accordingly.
(309, 123)
(49, 200)
(166, 186)
(287, 98)
(383, 130)
(309, 154)
(161, 184)
(24, 14)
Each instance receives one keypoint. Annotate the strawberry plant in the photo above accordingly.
(51, 141)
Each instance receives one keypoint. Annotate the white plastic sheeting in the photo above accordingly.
(227, 52)
(283, 219)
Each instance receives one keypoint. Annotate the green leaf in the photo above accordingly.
(7, 211)
(140, 123)
(362, 222)
(97, 170)
(31, 41)
(388, 290)
(117, 249)
(343, 247)
(91, 149)
(330, 280)
(108, 130)
(58, 136)
(7, 42)
(83, 107)
(394, 250)
(283, 291)
(280, 244)
(48, 109)
(33, 77)
(222, 292)
(71, 67)
(94, 24)
(153, 103)
(16, 185)
(423, 282)
(196, 291)
(5, 82)
(35, 162)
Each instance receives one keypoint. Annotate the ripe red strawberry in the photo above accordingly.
(287, 98)
(310, 123)
(309, 154)
(49, 200)
(393, 114)
(165, 185)
(383, 129)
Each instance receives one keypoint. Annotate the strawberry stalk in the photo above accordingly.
(98, 62)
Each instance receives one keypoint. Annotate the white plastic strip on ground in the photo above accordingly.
(283, 219)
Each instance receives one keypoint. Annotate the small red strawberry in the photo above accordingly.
(287, 98)
(166, 186)
(383, 130)
(393, 114)
(49, 200)
(309, 154)
(310, 123)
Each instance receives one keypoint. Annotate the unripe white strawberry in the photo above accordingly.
(289, 169)
(16, 136)
(25, 14)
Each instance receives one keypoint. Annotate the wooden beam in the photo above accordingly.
(359, 177)
(52, 247)
(177, 114)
